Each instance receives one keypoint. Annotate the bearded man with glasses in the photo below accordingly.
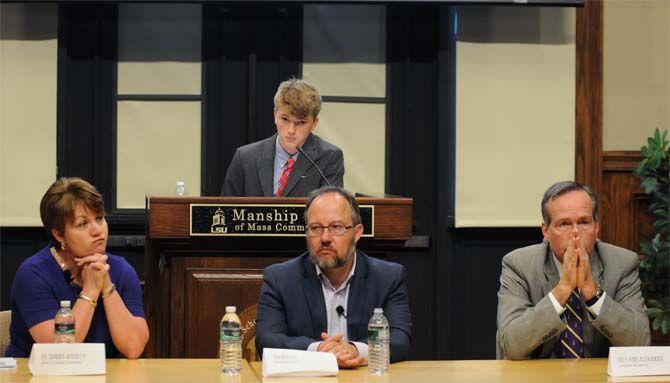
(323, 299)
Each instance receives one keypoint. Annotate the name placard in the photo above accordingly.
(638, 361)
(7, 363)
(297, 363)
(281, 220)
(67, 359)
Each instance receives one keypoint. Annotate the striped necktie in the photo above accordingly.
(284, 176)
(571, 343)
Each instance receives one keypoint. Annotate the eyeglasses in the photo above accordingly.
(334, 229)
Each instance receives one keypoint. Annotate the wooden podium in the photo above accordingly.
(190, 278)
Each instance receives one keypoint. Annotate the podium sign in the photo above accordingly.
(280, 220)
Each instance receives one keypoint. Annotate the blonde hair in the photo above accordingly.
(61, 199)
(301, 98)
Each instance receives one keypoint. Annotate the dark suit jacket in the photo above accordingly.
(528, 325)
(251, 172)
(292, 310)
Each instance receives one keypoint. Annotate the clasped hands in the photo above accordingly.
(576, 273)
(94, 273)
(345, 352)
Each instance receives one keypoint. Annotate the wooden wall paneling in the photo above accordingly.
(625, 212)
(589, 98)
(208, 292)
(177, 319)
(625, 216)
(201, 288)
(621, 160)
(618, 217)
(157, 296)
(164, 299)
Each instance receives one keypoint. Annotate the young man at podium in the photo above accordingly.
(290, 162)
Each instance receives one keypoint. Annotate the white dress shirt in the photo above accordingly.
(333, 298)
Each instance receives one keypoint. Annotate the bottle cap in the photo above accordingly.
(379, 310)
(65, 304)
(231, 309)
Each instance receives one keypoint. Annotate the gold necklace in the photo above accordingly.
(63, 267)
(58, 258)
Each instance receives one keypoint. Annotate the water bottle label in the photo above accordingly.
(377, 335)
(65, 328)
(230, 334)
(230, 331)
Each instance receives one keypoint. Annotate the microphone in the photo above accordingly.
(322, 176)
(340, 311)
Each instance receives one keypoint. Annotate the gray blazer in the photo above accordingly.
(528, 325)
(251, 172)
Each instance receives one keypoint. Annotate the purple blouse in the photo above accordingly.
(40, 285)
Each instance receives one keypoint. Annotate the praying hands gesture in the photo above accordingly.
(576, 273)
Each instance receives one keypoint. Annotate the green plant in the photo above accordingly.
(654, 173)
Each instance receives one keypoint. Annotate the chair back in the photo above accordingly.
(5, 320)
(248, 322)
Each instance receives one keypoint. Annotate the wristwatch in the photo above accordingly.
(109, 292)
(595, 298)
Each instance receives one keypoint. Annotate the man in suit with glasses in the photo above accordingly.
(323, 299)
(571, 296)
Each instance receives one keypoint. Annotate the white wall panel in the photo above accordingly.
(158, 144)
(28, 57)
(515, 112)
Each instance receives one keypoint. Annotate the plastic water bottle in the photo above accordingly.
(64, 324)
(378, 343)
(230, 345)
(181, 189)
